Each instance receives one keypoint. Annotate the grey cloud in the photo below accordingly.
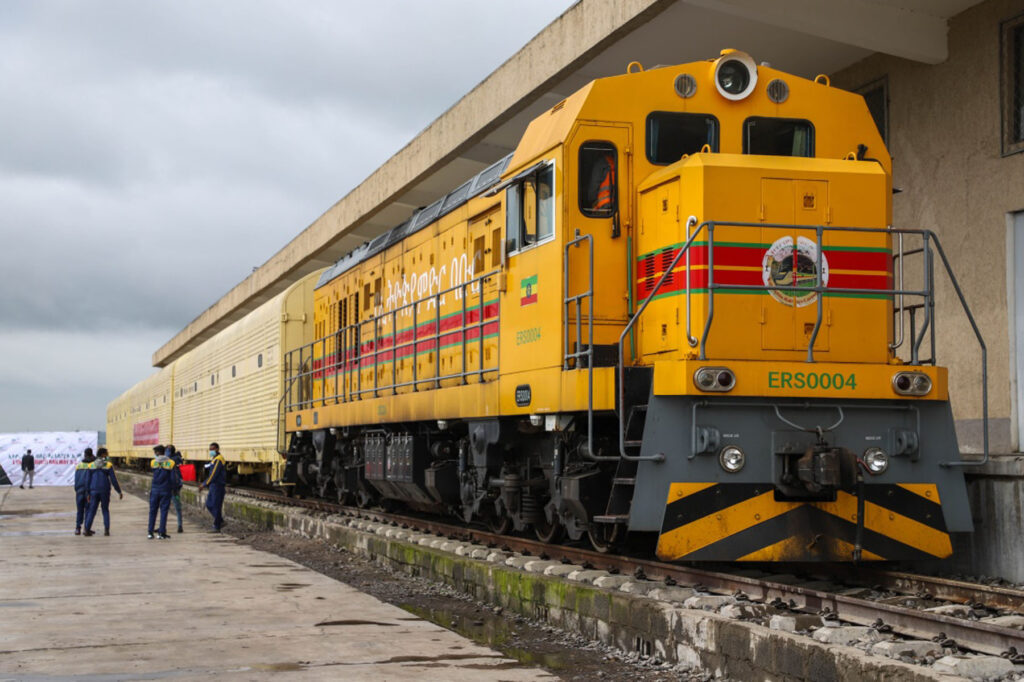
(154, 152)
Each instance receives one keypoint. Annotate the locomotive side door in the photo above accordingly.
(599, 202)
(530, 315)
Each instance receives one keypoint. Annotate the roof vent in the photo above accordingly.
(686, 85)
(778, 91)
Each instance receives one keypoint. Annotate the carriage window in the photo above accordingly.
(670, 135)
(778, 137)
(530, 210)
(598, 179)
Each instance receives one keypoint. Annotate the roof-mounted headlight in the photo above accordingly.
(735, 74)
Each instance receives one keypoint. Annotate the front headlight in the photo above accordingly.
(912, 383)
(732, 458)
(876, 460)
(735, 74)
(719, 379)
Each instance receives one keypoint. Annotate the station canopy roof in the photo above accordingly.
(592, 39)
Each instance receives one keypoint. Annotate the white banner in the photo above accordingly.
(56, 454)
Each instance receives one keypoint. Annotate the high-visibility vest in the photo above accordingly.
(606, 190)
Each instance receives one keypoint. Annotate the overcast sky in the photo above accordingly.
(153, 153)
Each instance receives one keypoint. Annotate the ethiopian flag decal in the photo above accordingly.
(528, 290)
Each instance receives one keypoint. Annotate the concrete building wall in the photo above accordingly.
(946, 142)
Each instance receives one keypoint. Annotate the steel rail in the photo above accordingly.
(946, 589)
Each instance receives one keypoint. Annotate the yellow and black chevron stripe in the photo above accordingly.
(744, 522)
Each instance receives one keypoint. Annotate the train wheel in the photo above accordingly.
(550, 532)
(500, 524)
(604, 537)
(363, 499)
(325, 490)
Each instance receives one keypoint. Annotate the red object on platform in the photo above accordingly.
(188, 472)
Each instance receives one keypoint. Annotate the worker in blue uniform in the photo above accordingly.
(216, 481)
(176, 491)
(101, 477)
(165, 472)
(82, 488)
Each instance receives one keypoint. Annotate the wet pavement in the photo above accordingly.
(127, 608)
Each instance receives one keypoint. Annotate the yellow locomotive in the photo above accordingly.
(677, 309)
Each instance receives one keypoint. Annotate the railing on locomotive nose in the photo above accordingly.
(315, 362)
(927, 294)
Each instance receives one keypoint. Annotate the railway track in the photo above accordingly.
(956, 632)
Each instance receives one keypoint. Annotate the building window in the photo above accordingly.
(259, 360)
(876, 96)
(1012, 74)
(232, 371)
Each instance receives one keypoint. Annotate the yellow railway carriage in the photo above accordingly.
(141, 417)
(679, 309)
(228, 390)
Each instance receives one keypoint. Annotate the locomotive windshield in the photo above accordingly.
(778, 136)
(672, 134)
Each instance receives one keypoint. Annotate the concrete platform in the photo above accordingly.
(125, 607)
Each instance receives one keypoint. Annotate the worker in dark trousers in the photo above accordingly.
(164, 474)
(176, 492)
(101, 477)
(216, 481)
(82, 488)
(28, 469)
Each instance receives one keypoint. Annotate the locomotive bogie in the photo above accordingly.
(518, 474)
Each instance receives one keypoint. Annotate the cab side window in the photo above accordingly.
(778, 136)
(598, 173)
(530, 206)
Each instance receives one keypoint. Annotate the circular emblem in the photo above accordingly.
(787, 265)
